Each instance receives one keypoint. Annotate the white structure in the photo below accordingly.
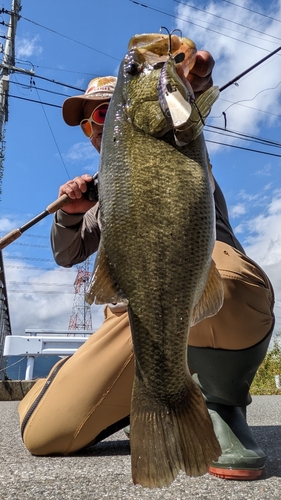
(37, 342)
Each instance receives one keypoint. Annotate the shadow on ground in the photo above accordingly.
(106, 449)
(268, 437)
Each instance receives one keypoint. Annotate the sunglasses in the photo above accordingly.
(97, 117)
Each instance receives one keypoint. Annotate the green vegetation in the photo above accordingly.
(264, 382)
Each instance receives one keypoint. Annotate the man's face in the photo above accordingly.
(96, 137)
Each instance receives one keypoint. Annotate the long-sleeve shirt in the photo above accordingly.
(75, 237)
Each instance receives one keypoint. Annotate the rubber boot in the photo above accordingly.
(225, 377)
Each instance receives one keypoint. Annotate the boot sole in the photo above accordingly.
(236, 474)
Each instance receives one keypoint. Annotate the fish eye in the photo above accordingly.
(133, 68)
(179, 57)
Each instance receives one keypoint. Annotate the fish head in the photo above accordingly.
(140, 74)
(139, 81)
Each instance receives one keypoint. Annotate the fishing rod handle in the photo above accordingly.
(9, 238)
(59, 203)
(16, 233)
(91, 194)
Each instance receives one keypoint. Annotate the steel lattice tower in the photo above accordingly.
(81, 316)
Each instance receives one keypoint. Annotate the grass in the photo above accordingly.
(264, 382)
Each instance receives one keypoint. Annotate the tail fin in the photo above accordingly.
(165, 440)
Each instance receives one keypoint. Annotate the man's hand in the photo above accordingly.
(200, 77)
(75, 189)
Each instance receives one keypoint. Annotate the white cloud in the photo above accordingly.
(81, 151)
(48, 305)
(275, 206)
(27, 47)
(266, 171)
(262, 231)
(6, 224)
(225, 41)
(38, 297)
(237, 210)
(263, 244)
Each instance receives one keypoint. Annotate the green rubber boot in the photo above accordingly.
(225, 377)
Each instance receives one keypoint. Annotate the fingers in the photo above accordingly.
(75, 187)
(200, 77)
(204, 64)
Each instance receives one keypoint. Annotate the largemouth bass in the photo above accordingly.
(158, 233)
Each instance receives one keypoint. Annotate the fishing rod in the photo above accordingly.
(234, 80)
(91, 194)
(92, 189)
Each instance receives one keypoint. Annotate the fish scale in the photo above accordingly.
(158, 233)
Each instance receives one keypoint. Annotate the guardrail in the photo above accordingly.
(38, 342)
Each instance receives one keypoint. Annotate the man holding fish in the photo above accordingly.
(156, 246)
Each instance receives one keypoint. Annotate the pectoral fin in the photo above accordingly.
(206, 100)
(201, 108)
(102, 288)
(212, 298)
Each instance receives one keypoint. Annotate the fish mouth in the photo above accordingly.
(154, 53)
(155, 48)
(175, 94)
(173, 56)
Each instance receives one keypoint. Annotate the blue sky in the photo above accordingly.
(70, 42)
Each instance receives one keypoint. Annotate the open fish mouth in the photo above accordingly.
(157, 46)
(173, 56)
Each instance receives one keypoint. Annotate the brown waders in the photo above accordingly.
(87, 397)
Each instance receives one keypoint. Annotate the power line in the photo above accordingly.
(239, 135)
(15, 69)
(33, 268)
(47, 292)
(227, 20)
(66, 70)
(63, 70)
(244, 149)
(28, 87)
(67, 37)
(215, 142)
(31, 245)
(29, 258)
(30, 235)
(198, 25)
(34, 100)
(254, 11)
(82, 90)
(261, 140)
(38, 284)
(238, 103)
(53, 135)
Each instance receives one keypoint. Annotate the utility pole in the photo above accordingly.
(6, 68)
(7, 65)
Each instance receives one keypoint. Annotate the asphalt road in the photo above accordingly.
(104, 471)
